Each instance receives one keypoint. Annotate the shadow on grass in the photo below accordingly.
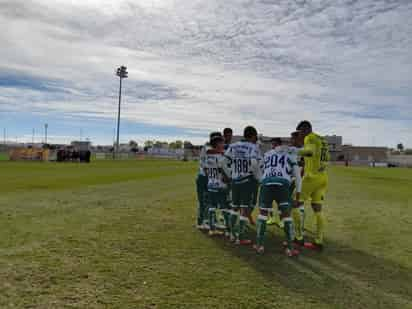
(340, 276)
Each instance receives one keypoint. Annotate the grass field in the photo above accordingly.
(121, 235)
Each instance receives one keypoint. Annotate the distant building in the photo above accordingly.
(334, 142)
(363, 154)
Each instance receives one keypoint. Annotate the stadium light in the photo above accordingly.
(121, 73)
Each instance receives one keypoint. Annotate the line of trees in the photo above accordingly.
(401, 150)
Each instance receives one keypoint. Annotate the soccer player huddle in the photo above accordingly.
(234, 177)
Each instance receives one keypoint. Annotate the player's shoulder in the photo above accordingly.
(313, 138)
(269, 152)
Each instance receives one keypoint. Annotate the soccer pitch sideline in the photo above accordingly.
(120, 235)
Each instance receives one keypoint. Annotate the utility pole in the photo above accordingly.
(32, 136)
(122, 73)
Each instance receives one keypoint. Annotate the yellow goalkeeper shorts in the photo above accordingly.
(314, 188)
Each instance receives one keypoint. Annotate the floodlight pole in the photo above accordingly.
(122, 73)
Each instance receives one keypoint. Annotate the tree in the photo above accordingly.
(187, 145)
(132, 144)
(400, 147)
(160, 144)
(179, 144)
(148, 144)
(172, 145)
(176, 145)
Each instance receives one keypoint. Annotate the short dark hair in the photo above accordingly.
(215, 140)
(304, 124)
(227, 131)
(249, 132)
(277, 140)
(214, 134)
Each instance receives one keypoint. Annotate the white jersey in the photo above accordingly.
(294, 152)
(202, 158)
(214, 167)
(244, 160)
(280, 163)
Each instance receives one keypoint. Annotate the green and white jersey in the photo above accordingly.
(294, 152)
(244, 160)
(214, 165)
(202, 158)
(279, 163)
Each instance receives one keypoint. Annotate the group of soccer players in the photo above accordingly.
(234, 177)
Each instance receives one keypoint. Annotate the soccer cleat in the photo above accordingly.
(215, 233)
(232, 238)
(291, 252)
(313, 246)
(243, 242)
(202, 227)
(270, 221)
(259, 249)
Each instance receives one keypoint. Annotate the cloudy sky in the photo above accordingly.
(201, 65)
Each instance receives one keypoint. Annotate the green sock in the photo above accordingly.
(242, 226)
(226, 216)
(302, 220)
(261, 229)
(288, 228)
(234, 215)
(212, 218)
(320, 226)
(298, 215)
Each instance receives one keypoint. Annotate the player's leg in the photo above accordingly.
(234, 212)
(318, 197)
(201, 188)
(298, 210)
(252, 207)
(212, 212)
(265, 208)
(226, 209)
(247, 192)
(282, 198)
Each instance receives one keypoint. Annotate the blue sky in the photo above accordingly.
(197, 66)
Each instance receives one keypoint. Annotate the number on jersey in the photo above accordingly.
(241, 166)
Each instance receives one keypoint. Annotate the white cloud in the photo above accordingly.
(201, 65)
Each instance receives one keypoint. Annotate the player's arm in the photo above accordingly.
(224, 169)
(203, 161)
(325, 156)
(296, 174)
(298, 180)
(308, 150)
(256, 165)
(227, 162)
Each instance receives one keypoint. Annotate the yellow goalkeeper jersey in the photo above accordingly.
(316, 154)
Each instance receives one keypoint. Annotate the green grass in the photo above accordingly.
(120, 235)
(4, 156)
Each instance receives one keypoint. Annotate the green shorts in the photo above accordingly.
(243, 192)
(275, 189)
(218, 199)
